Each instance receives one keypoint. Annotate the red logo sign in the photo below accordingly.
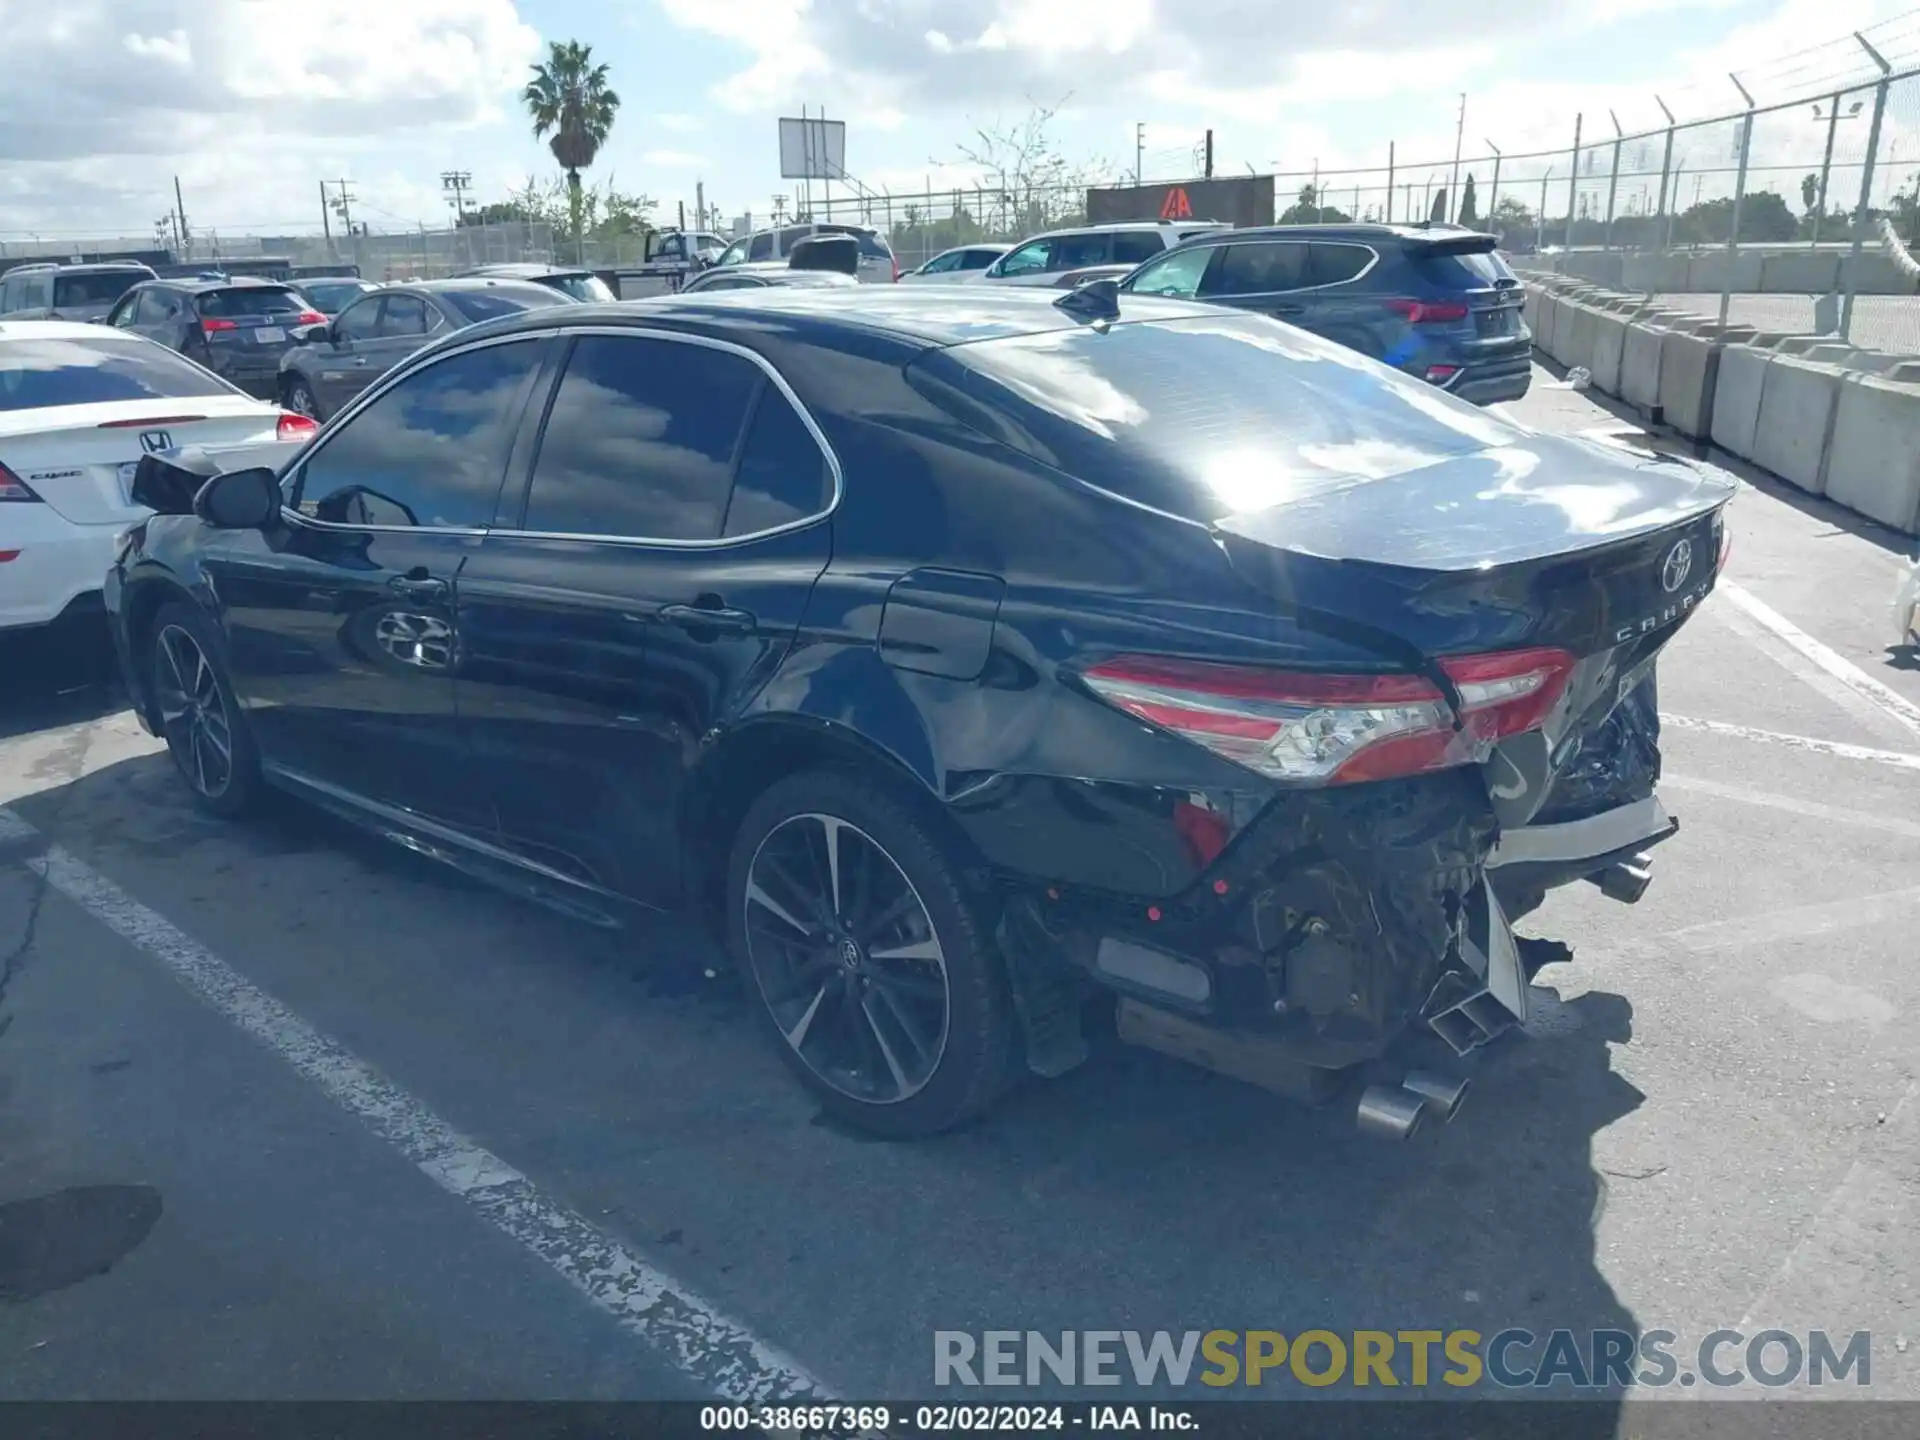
(1176, 206)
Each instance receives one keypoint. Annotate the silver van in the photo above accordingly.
(48, 290)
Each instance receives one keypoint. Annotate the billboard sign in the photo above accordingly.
(1238, 200)
(813, 148)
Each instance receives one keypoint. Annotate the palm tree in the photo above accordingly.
(569, 99)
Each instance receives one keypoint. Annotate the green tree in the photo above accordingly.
(1307, 209)
(572, 108)
(1809, 192)
(1469, 203)
(1437, 212)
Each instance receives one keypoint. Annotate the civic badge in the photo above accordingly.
(1677, 566)
(154, 441)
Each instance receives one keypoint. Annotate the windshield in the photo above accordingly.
(588, 288)
(1472, 271)
(250, 300)
(35, 374)
(89, 289)
(871, 245)
(736, 253)
(1203, 417)
(490, 304)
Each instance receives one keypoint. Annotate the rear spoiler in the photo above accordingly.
(1459, 243)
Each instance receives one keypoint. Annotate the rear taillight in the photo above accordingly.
(309, 317)
(211, 327)
(896, 272)
(1726, 542)
(295, 427)
(1311, 729)
(12, 487)
(1441, 374)
(1428, 312)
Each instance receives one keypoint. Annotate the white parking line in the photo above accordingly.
(716, 1352)
(1899, 759)
(1887, 699)
(1793, 805)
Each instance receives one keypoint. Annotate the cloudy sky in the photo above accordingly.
(251, 103)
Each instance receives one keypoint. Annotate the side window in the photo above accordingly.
(9, 296)
(360, 320)
(976, 259)
(783, 475)
(430, 451)
(38, 292)
(1329, 264)
(1070, 252)
(640, 441)
(1029, 259)
(1260, 268)
(791, 236)
(1134, 247)
(760, 248)
(405, 315)
(123, 313)
(940, 265)
(1178, 275)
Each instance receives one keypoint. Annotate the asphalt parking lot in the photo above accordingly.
(287, 1112)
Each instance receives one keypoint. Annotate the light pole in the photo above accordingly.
(1833, 119)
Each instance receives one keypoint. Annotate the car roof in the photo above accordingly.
(61, 330)
(925, 317)
(1355, 230)
(522, 270)
(846, 226)
(1107, 225)
(202, 286)
(467, 284)
(779, 274)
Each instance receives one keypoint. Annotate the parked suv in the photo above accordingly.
(877, 265)
(1046, 259)
(238, 328)
(1435, 301)
(51, 291)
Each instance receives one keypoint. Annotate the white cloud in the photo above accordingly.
(107, 99)
(679, 124)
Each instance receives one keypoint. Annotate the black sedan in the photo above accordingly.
(331, 362)
(960, 662)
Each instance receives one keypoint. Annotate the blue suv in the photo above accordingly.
(1435, 301)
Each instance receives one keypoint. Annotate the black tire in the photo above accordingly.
(972, 1067)
(180, 632)
(301, 400)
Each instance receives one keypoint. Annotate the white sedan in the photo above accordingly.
(79, 405)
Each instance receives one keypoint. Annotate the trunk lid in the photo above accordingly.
(1551, 541)
(80, 459)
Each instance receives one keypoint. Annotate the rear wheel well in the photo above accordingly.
(746, 764)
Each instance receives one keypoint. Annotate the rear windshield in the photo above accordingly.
(249, 300)
(1203, 417)
(477, 305)
(36, 373)
(102, 287)
(871, 245)
(589, 288)
(1465, 272)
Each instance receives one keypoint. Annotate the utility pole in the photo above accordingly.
(456, 183)
(326, 220)
(700, 206)
(1209, 170)
(1573, 180)
(343, 205)
(1453, 187)
(1493, 195)
(180, 210)
(1139, 148)
(1866, 186)
(1390, 150)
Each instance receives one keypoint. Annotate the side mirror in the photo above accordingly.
(240, 499)
(319, 334)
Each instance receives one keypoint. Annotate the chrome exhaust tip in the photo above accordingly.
(1439, 1093)
(1627, 880)
(1389, 1112)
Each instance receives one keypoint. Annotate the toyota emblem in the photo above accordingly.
(1677, 566)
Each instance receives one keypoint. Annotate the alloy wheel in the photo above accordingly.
(300, 401)
(844, 953)
(193, 712)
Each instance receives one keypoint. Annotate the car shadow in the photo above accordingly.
(60, 674)
(1135, 1193)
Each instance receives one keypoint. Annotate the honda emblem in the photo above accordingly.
(154, 441)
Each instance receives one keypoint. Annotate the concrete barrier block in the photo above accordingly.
(1560, 342)
(1689, 368)
(1549, 318)
(1873, 462)
(1579, 347)
(1736, 398)
(1878, 274)
(1640, 365)
(1799, 344)
(1906, 372)
(1809, 272)
(1671, 272)
(1708, 273)
(1530, 299)
(1609, 347)
(1796, 405)
(1641, 273)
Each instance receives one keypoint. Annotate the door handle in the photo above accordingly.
(414, 587)
(700, 617)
